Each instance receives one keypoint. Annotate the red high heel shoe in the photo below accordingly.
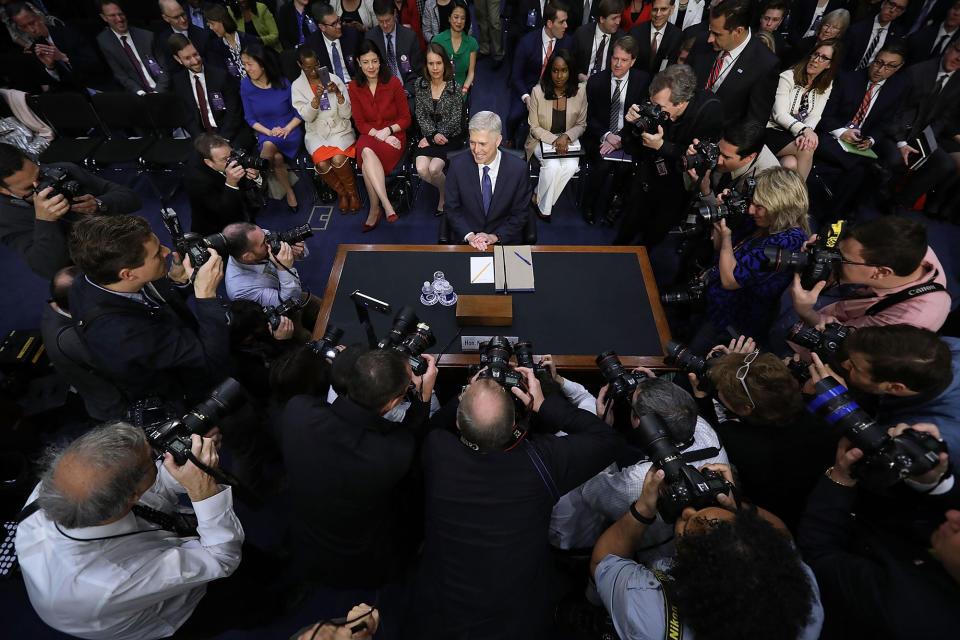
(370, 227)
(393, 217)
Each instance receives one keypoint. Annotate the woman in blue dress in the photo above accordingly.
(269, 111)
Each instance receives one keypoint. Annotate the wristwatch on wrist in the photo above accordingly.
(100, 206)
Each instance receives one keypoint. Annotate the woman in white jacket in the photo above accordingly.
(329, 137)
(802, 93)
(360, 16)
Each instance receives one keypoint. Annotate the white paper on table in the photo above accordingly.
(481, 270)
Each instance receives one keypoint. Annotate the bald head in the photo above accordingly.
(174, 15)
(486, 414)
(97, 477)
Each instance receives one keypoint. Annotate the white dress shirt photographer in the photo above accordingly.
(96, 565)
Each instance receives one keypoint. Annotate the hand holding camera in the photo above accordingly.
(208, 276)
(284, 329)
(198, 483)
(533, 397)
(426, 382)
(50, 206)
(234, 172)
(284, 256)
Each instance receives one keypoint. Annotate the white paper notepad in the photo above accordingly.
(481, 270)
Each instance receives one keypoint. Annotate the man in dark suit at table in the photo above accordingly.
(210, 97)
(865, 38)
(333, 42)
(734, 65)
(861, 105)
(129, 52)
(177, 22)
(530, 61)
(658, 40)
(593, 42)
(488, 192)
(932, 40)
(399, 46)
(930, 102)
(628, 83)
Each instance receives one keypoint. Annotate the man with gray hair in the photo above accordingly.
(488, 193)
(105, 551)
(657, 196)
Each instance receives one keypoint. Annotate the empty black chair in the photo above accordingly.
(128, 126)
(166, 114)
(77, 128)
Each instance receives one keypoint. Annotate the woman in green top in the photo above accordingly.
(254, 18)
(461, 46)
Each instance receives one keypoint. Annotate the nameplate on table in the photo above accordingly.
(472, 343)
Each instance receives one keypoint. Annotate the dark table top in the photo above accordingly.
(587, 300)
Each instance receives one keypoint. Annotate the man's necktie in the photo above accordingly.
(868, 54)
(546, 59)
(864, 106)
(598, 59)
(586, 11)
(616, 107)
(337, 65)
(486, 190)
(938, 48)
(136, 63)
(653, 50)
(392, 56)
(304, 31)
(816, 24)
(176, 523)
(202, 101)
(715, 72)
(922, 18)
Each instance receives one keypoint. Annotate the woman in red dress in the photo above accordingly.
(382, 116)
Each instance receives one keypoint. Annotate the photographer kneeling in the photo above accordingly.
(760, 418)
(741, 154)
(223, 185)
(658, 135)
(741, 291)
(735, 574)
(40, 205)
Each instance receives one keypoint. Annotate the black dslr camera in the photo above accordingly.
(284, 308)
(192, 244)
(524, 351)
(735, 205)
(683, 486)
(622, 384)
(327, 345)
(246, 160)
(60, 183)
(886, 460)
(173, 435)
(690, 293)
(828, 344)
(290, 236)
(815, 265)
(679, 356)
(409, 337)
(705, 159)
(496, 358)
(651, 116)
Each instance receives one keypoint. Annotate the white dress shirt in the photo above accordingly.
(731, 60)
(193, 88)
(146, 70)
(136, 587)
(694, 14)
(624, 81)
(597, 39)
(884, 32)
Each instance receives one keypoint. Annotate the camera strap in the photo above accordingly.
(906, 294)
(673, 626)
(699, 454)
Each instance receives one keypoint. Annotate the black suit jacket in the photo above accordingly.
(667, 49)
(123, 69)
(508, 209)
(847, 94)
(228, 119)
(922, 42)
(407, 46)
(598, 102)
(200, 38)
(85, 67)
(936, 15)
(347, 45)
(213, 205)
(920, 109)
(858, 39)
(351, 533)
(749, 87)
(583, 43)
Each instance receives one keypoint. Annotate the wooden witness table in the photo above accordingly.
(588, 299)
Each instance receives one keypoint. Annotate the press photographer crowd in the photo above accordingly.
(788, 473)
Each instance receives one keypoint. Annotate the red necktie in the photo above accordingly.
(136, 63)
(715, 72)
(202, 101)
(653, 50)
(546, 59)
(862, 111)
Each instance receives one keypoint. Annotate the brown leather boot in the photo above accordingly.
(333, 181)
(345, 173)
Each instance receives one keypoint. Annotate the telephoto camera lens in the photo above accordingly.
(687, 362)
(290, 236)
(622, 384)
(402, 323)
(227, 396)
(327, 345)
(415, 344)
(524, 351)
(782, 260)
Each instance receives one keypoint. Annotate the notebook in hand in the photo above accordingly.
(548, 151)
(925, 143)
